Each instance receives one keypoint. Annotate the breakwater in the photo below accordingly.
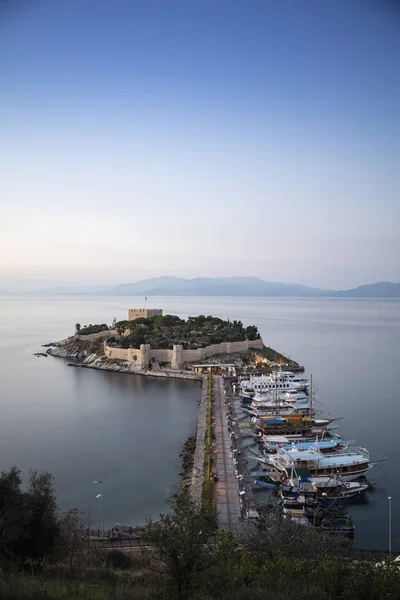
(198, 460)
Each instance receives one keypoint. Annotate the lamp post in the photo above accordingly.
(100, 482)
(390, 523)
(90, 504)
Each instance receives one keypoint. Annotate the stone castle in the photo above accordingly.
(177, 357)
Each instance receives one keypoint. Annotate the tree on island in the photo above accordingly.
(196, 332)
(78, 328)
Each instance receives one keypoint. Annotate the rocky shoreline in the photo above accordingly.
(196, 487)
(187, 456)
(89, 359)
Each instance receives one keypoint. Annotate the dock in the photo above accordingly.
(231, 489)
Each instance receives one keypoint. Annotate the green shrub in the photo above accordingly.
(116, 559)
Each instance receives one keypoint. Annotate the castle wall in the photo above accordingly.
(177, 357)
(120, 353)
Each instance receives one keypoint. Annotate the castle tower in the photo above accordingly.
(146, 313)
(177, 357)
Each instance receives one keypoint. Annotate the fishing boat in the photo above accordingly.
(305, 501)
(290, 425)
(349, 464)
(331, 488)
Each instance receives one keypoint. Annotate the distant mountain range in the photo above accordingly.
(224, 286)
(245, 286)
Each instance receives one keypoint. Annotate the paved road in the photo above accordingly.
(226, 488)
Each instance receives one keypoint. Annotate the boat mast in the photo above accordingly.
(311, 398)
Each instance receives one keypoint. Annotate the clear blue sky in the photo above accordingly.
(200, 137)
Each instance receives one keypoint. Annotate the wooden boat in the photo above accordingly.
(305, 502)
(350, 464)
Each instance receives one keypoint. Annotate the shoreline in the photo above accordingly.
(145, 373)
(92, 360)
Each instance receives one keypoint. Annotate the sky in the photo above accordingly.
(200, 138)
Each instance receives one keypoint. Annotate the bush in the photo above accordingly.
(116, 559)
(93, 329)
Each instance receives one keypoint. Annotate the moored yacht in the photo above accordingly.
(277, 382)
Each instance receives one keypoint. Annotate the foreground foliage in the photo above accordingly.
(45, 556)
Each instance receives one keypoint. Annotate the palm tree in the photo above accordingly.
(78, 328)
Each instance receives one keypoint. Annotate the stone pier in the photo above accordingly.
(226, 488)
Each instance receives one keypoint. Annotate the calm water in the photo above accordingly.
(84, 425)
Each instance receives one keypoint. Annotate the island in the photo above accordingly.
(151, 343)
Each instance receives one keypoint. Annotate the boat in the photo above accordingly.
(292, 377)
(280, 410)
(349, 464)
(280, 382)
(287, 396)
(305, 501)
(272, 443)
(332, 488)
(293, 395)
(268, 402)
(247, 394)
(290, 425)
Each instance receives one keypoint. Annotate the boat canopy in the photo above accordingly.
(279, 439)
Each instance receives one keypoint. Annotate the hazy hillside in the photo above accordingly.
(245, 286)
(221, 286)
(212, 286)
(383, 289)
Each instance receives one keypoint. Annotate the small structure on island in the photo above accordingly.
(143, 313)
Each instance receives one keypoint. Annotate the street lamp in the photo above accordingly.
(100, 481)
(390, 523)
(90, 504)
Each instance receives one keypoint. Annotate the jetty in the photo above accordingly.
(232, 493)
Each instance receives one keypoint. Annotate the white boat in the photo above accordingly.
(332, 442)
(350, 464)
(280, 410)
(282, 381)
(262, 401)
(292, 377)
(293, 395)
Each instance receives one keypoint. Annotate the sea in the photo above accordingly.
(128, 430)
